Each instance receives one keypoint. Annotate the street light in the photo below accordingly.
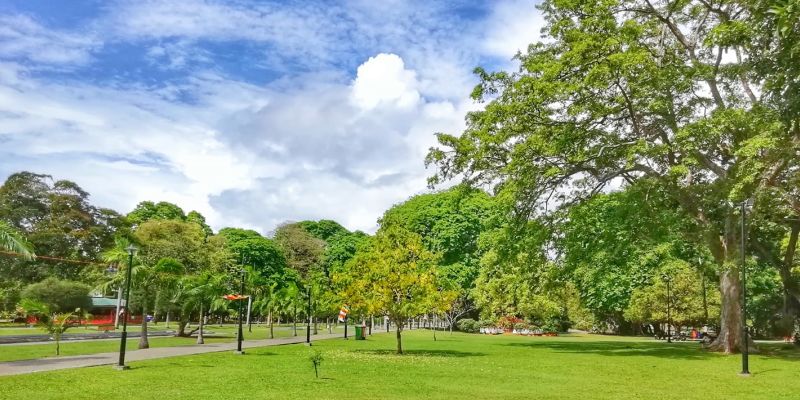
(668, 279)
(240, 336)
(308, 323)
(131, 249)
(745, 356)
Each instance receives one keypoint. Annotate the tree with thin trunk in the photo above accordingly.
(393, 275)
(204, 293)
(55, 323)
(147, 280)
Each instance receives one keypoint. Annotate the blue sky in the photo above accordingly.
(252, 113)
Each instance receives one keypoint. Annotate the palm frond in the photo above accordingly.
(11, 240)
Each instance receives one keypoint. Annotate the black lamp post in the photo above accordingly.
(308, 323)
(668, 280)
(124, 337)
(745, 338)
(239, 338)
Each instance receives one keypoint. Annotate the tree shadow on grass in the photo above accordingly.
(263, 353)
(422, 353)
(624, 349)
(782, 351)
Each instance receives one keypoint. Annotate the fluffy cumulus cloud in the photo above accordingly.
(252, 114)
(384, 80)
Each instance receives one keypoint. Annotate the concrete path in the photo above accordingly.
(91, 360)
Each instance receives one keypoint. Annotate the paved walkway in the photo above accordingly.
(91, 360)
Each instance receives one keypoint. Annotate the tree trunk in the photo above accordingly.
(200, 339)
(181, 332)
(729, 339)
(166, 324)
(791, 294)
(143, 342)
(271, 332)
(399, 340)
(294, 321)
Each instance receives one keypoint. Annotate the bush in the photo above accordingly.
(59, 296)
(487, 323)
(468, 325)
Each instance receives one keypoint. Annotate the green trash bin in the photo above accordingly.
(360, 333)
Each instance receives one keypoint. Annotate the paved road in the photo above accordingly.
(18, 340)
(91, 360)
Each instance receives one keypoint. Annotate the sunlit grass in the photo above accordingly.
(454, 367)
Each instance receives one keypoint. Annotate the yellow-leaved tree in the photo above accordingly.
(392, 275)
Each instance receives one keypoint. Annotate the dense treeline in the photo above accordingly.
(693, 104)
(617, 157)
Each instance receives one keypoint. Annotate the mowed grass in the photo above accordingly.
(460, 366)
(226, 333)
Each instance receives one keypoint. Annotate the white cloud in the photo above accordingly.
(511, 27)
(338, 142)
(384, 80)
(239, 153)
(22, 36)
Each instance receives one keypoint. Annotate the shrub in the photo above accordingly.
(59, 296)
(487, 323)
(468, 325)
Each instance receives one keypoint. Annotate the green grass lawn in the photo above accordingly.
(226, 333)
(454, 367)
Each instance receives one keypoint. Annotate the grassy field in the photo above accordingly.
(225, 333)
(454, 367)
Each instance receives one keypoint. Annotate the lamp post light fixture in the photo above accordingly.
(131, 249)
(239, 337)
(668, 280)
(745, 338)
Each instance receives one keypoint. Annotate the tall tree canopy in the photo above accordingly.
(57, 219)
(250, 247)
(625, 90)
(449, 223)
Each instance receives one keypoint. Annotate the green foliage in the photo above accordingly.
(468, 325)
(621, 93)
(450, 223)
(58, 296)
(147, 211)
(395, 275)
(323, 229)
(57, 219)
(316, 359)
(11, 240)
(182, 241)
(303, 251)
(197, 218)
(53, 322)
(249, 246)
(648, 304)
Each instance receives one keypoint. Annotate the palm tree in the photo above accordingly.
(267, 303)
(289, 300)
(204, 292)
(54, 323)
(11, 240)
(149, 280)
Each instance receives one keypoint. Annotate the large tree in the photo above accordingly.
(58, 220)
(625, 90)
(394, 275)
